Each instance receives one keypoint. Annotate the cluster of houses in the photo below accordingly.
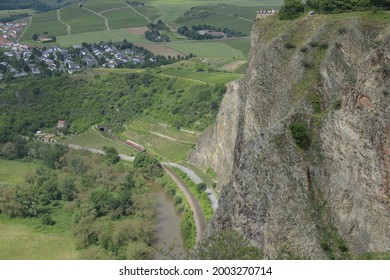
(216, 34)
(116, 58)
(9, 31)
(266, 13)
(68, 60)
(50, 137)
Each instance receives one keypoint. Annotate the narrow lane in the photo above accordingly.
(68, 27)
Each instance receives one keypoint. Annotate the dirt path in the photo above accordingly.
(105, 22)
(200, 221)
(24, 31)
(170, 138)
(68, 27)
(113, 9)
(131, 7)
(229, 15)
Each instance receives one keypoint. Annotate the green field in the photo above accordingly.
(123, 18)
(7, 13)
(93, 139)
(14, 171)
(149, 11)
(207, 49)
(134, 38)
(242, 44)
(208, 77)
(242, 69)
(103, 5)
(25, 239)
(145, 125)
(81, 20)
(88, 37)
(45, 22)
(160, 140)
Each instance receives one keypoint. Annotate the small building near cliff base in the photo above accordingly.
(61, 124)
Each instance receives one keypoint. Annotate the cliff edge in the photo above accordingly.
(301, 144)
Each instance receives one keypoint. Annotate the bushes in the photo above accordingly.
(300, 133)
(291, 9)
(227, 245)
(111, 207)
(47, 220)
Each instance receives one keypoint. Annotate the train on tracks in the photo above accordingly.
(135, 146)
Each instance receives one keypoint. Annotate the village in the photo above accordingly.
(19, 60)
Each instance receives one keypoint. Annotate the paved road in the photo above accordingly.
(200, 221)
(197, 180)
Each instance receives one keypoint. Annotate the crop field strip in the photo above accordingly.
(45, 22)
(102, 6)
(124, 18)
(206, 49)
(81, 20)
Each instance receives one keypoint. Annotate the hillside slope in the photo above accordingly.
(301, 144)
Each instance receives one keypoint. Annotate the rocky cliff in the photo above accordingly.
(301, 144)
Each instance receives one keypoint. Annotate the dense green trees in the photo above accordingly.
(291, 9)
(31, 104)
(294, 8)
(113, 215)
(111, 155)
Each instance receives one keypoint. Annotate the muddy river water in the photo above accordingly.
(169, 240)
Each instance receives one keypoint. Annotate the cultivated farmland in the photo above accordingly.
(45, 22)
(88, 37)
(206, 49)
(105, 5)
(81, 20)
(123, 18)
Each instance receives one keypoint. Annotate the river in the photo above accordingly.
(169, 240)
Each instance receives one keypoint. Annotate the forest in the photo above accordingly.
(37, 103)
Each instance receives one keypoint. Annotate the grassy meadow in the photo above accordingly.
(14, 171)
(26, 238)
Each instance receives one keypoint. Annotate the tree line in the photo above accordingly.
(294, 8)
(193, 32)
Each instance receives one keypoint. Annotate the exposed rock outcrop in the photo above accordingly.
(331, 196)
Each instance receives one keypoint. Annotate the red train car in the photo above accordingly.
(135, 145)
